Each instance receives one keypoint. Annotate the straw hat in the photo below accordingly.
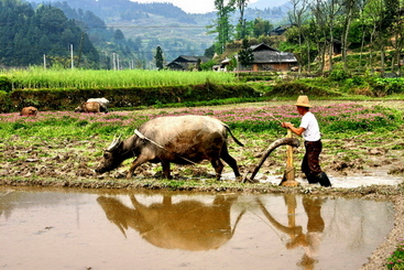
(303, 101)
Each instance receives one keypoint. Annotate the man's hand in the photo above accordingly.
(287, 125)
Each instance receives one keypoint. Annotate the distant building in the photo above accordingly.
(267, 58)
(185, 62)
(280, 30)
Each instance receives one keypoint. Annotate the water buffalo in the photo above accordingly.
(89, 107)
(103, 103)
(29, 111)
(187, 224)
(182, 140)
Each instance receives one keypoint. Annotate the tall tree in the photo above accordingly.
(321, 33)
(349, 6)
(375, 12)
(159, 58)
(298, 16)
(241, 27)
(397, 42)
(245, 55)
(223, 28)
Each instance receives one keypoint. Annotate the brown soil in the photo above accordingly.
(67, 163)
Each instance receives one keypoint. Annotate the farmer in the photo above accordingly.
(310, 131)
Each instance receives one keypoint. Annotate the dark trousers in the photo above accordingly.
(311, 164)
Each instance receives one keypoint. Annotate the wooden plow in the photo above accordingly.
(289, 174)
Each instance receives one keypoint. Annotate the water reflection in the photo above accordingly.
(315, 227)
(45, 229)
(188, 224)
(194, 225)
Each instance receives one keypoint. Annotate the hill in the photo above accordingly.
(163, 24)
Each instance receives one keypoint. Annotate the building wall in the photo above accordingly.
(273, 66)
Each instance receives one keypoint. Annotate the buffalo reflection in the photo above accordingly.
(315, 227)
(188, 224)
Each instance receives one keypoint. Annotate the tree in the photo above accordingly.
(375, 12)
(325, 13)
(298, 16)
(245, 55)
(210, 52)
(241, 27)
(350, 7)
(118, 35)
(159, 58)
(261, 27)
(223, 27)
(397, 42)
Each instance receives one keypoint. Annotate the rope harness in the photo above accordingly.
(141, 136)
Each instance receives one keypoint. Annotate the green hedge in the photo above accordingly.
(5, 102)
(294, 89)
(55, 99)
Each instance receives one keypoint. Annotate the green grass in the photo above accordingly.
(396, 259)
(38, 78)
(337, 121)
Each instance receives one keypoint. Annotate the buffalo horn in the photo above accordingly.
(114, 144)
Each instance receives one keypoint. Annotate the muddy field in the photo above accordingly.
(69, 163)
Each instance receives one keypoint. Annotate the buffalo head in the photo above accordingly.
(112, 157)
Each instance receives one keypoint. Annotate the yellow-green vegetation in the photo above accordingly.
(37, 77)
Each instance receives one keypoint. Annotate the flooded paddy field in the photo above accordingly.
(52, 228)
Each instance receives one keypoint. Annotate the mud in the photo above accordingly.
(70, 163)
(172, 230)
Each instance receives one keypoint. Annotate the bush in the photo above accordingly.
(5, 84)
(5, 102)
(386, 86)
(338, 73)
(294, 89)
(396, 260)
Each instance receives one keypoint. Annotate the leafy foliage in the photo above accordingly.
(5, 84)
(26, 35)
(246, 56)
(159, 58)
(396, 259)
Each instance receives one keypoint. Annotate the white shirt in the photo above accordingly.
(310, 124)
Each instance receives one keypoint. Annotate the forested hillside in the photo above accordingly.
(116, 51)
(146, 26)
(105, 34)
(26, 35)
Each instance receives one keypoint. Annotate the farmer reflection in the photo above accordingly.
(189, 224)
(315, 227)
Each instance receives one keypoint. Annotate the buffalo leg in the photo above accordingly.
(224, 154)
(218, 165)
(136, 163)
(166, 169)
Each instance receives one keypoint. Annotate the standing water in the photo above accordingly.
(76, 229)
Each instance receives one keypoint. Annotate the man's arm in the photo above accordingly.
(297, 131)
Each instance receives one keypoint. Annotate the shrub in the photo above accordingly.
(5, 84)
(296, 88)
(386, 86)
(338, 73)
(5, 102)
(396, 260)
